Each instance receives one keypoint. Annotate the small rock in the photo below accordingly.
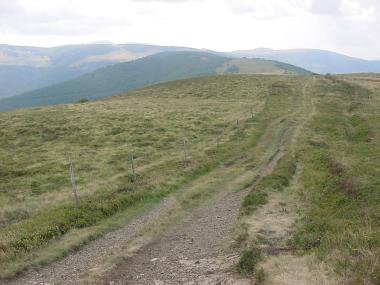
(154, 259)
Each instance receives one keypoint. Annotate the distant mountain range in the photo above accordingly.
(166, 66)
(24, 69)
(27, 72)
(318, 61)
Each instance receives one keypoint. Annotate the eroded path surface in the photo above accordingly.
(69, 269)
(196, 252)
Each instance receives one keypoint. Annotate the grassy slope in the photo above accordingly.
(338, 150)
(118, 78)
(260, 66)
(36, 199)
(340, 153)
(163, 67)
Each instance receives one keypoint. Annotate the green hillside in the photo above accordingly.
(112, 80)
(259, 66)
(326, 130)
(23, 68)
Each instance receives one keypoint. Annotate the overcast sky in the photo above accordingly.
(348, 26)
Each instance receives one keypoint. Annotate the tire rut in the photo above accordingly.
(196, 252)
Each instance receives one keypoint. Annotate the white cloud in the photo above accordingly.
(349, 26)
(328, 7)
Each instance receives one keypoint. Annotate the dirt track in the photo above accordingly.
(196, 252)
(70, 269)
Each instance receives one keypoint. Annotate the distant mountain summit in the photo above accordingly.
(318, 61)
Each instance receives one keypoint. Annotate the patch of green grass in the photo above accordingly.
(248, 260)
(281, 176)
(252, 201)
(275, 181)
(259, 276)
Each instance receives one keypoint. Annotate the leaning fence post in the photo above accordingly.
(73, 183)
(133, 168)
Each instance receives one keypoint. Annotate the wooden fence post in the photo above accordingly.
(73, 183)
(134, 177)
(184, 151)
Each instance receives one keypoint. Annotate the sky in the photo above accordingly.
(351, 27)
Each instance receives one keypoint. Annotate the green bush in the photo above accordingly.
(83, 100)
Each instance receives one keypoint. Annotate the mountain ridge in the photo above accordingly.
(25, 68)
(316, 60)
(162, 67)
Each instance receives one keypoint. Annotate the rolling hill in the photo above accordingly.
(23, 69)
(167, 66)
(318, 61)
